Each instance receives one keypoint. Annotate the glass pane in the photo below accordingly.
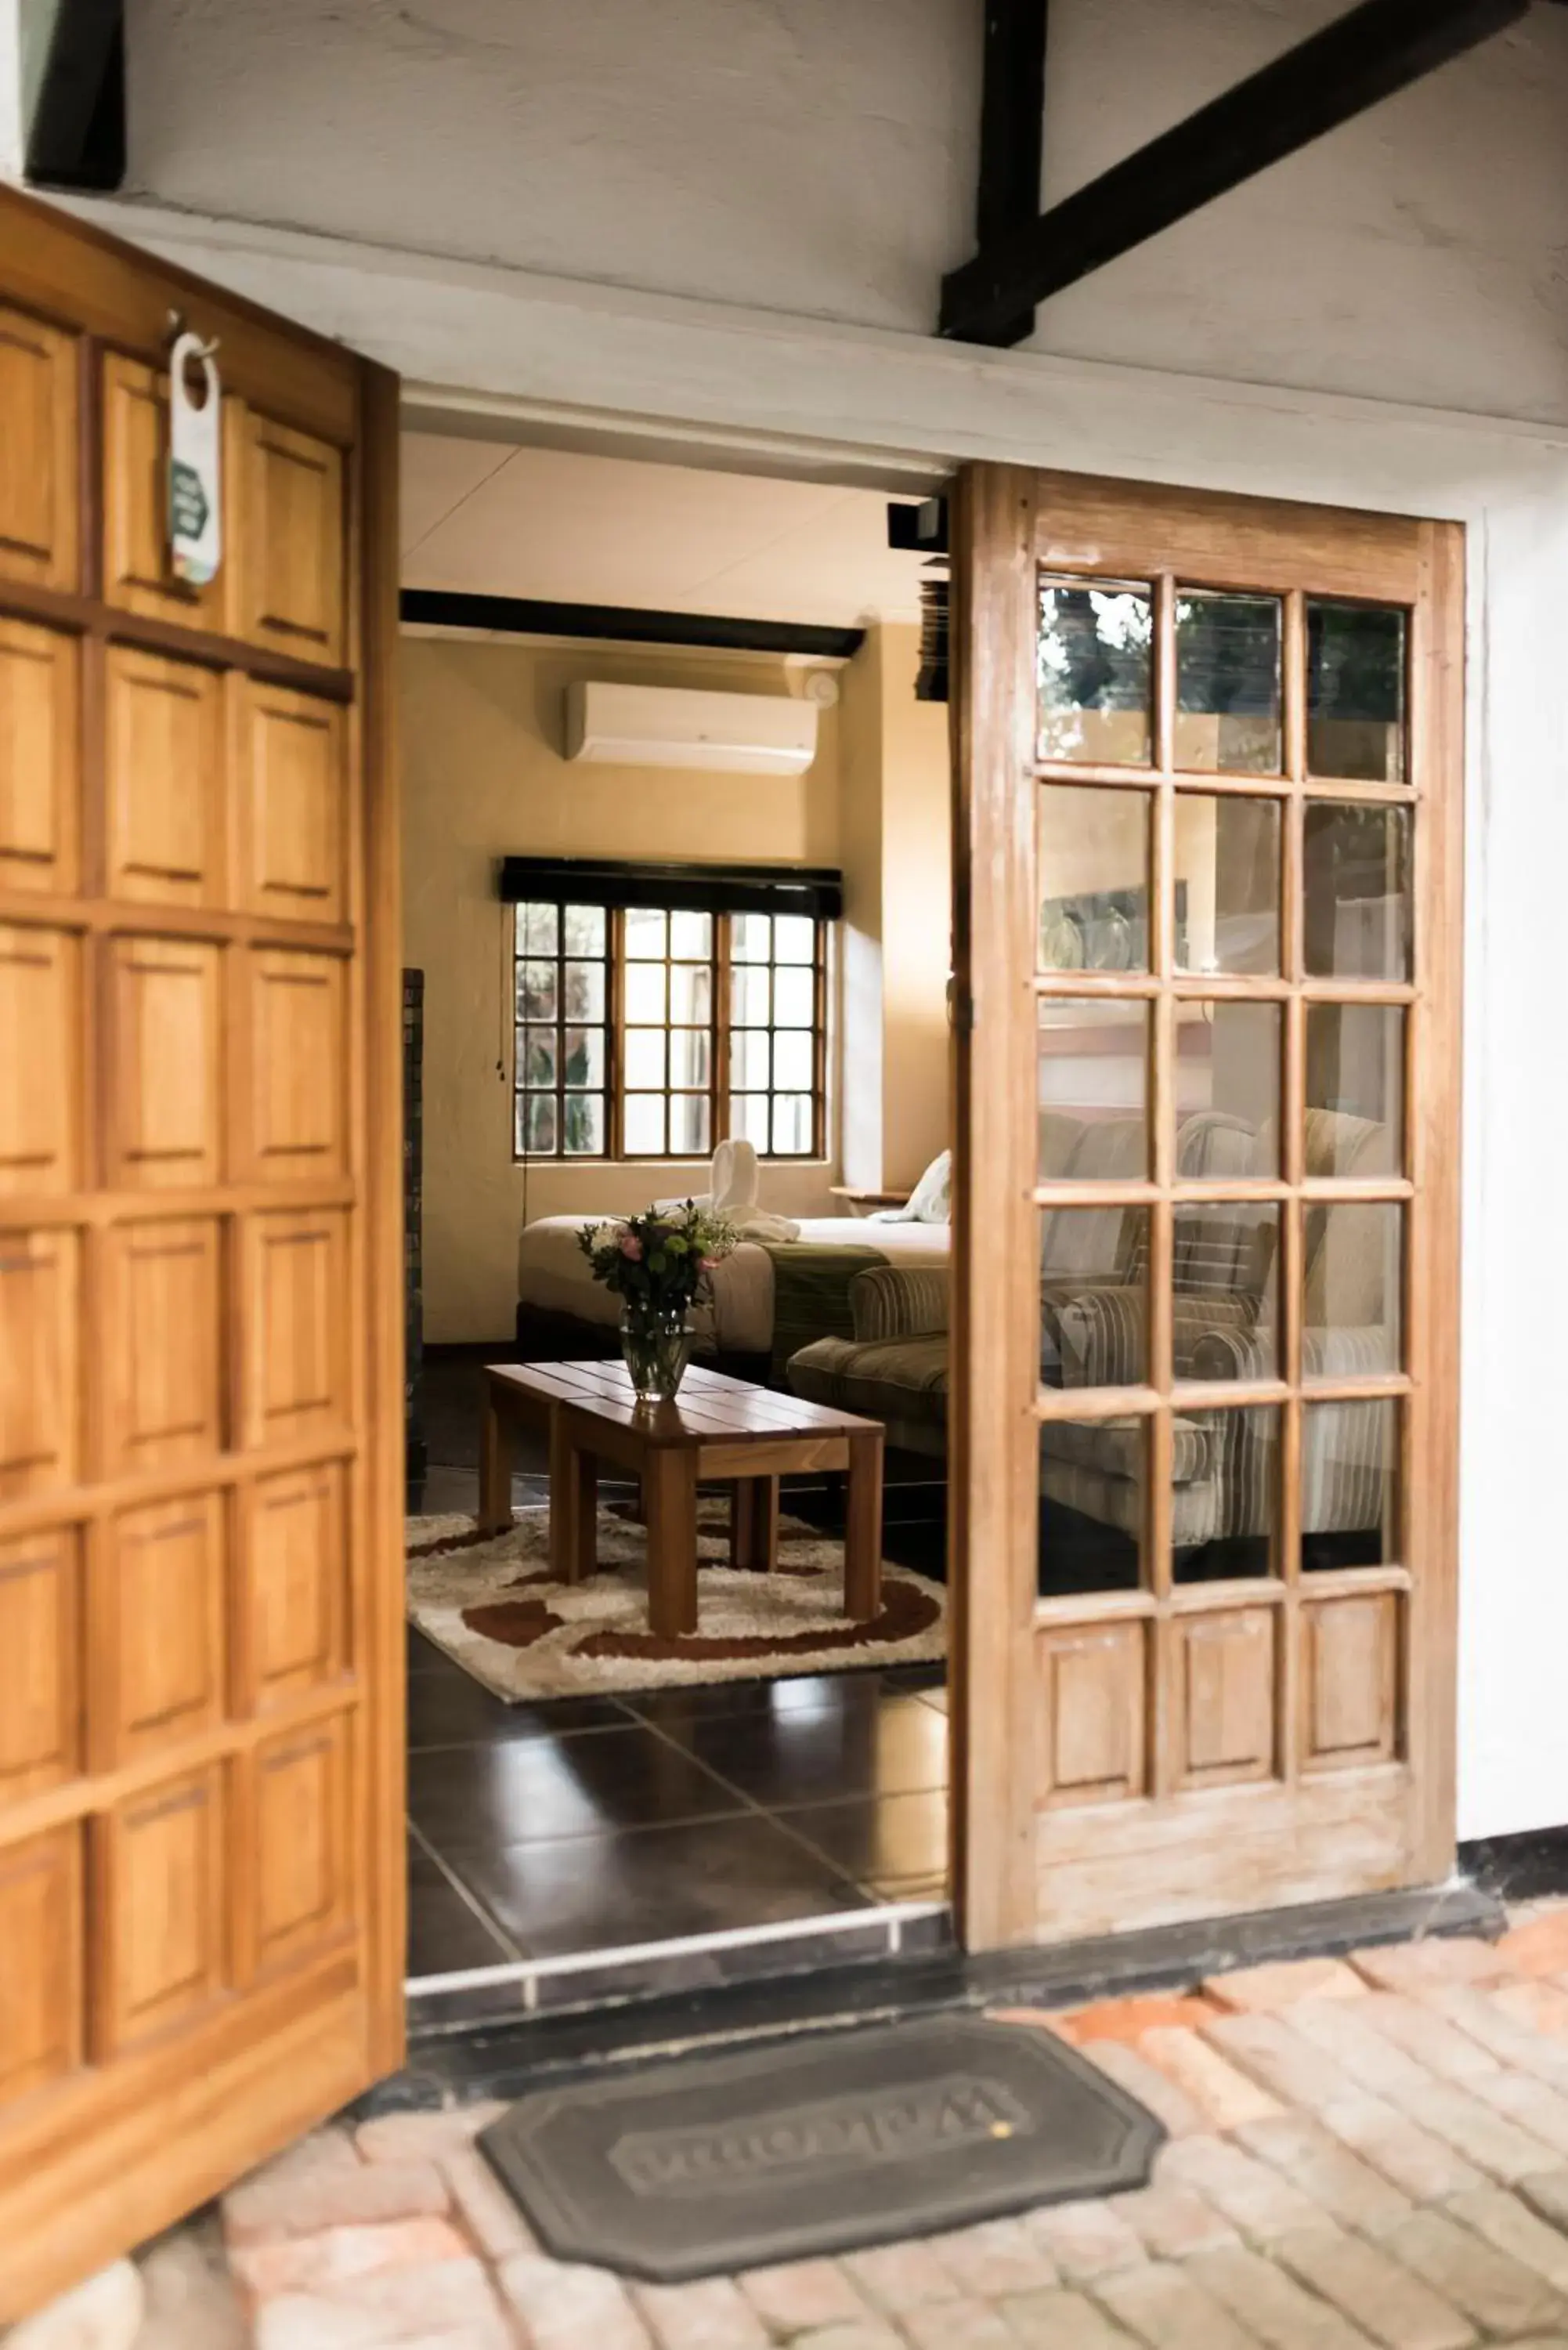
(794, 938)
(1092, 672)
(752, 938)
(1227, 1090)
(1228, 683)
(1227, 882)
(1092, 1477)
(1092, 1090)
(1094, 1269)
(1354, 1089)
(1350, 1484)
(1224, 1500)
(690, 993)
(1094, 877)
(647, 934)
(536, 1122)
(688, 1126)
(749, 1118)
(585, 1057)
(1350, 1323)
(1224, 1269)
(585, 991)
(541, 928)
(645, 1124)
(644, 1057)
(584, 1124)
(793, 1059)
(792, 1125)
(795, 997)
(1357, 878)
(749, 998)
(1356, 691)
(690, 1056)
(537, 991)
(690, 934)
(585, 930)
(749, 1058)
(536, 1056)
(645, 992)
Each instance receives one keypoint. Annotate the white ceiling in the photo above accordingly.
(552, 524)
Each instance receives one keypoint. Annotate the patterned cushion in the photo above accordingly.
(900, 1302)
(902, 1381)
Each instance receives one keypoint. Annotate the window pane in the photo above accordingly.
(585, 930)
(1227, 882)
(645, 1124)
(584, 1124)
(645, 992)
(792, 1124)
(644, 1057)
(585, 991)
(1227, 1090)
(1356, 878)
(752, 938)
(1094, 877)
(1352, 1316)
(1093, 1085)
(536, 1056)
(749, 998)
(794, 938)
(1224, 1275)
(1094, 1268)
(646, 933)
(536, 1122)
(1350, 1484)
(690, 1056)
(540, 929)
(749, 1118)
(1092, 671)
(1224, 1500)
(584, 1063)
(689, 1124)
(1228, 683)
(793, 1059)
(795, 997)
(749, 1059)
(690, 993)
(1354, 1089)
(692, 934)
(537, 991)
(1356, 691)
(1092, 1476)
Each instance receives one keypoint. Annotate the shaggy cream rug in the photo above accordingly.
(492, 1605)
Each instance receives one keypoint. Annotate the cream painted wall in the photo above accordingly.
(917, 913)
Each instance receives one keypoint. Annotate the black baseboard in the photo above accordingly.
(1522, 1867)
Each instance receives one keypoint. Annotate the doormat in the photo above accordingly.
(491, 1603)
(711, 2164)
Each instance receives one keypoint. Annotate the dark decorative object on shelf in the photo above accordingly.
(413, 1301)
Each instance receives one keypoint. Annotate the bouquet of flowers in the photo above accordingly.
(656, 1264)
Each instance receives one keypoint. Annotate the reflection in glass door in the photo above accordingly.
(1204, 1461)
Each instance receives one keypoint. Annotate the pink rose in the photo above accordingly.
(630, 1246)
(708, 1264)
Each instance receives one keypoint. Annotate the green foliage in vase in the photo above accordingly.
(658, 1262)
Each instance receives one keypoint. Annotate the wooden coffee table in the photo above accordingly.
(717, 1430)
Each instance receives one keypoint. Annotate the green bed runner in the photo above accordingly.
(811, 1294)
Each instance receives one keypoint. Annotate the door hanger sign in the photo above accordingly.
(196, 501)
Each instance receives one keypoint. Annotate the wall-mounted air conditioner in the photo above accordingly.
(672, 726)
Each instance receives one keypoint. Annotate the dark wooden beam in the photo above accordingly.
(1379, 47)
(1012, 136)
(77, 135)
(526, 616)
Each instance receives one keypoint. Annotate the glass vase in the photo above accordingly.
(656, 1348)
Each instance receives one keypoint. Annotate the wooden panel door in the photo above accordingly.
(201, 1609)
(1207, 759)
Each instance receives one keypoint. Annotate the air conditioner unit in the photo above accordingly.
(672, 726)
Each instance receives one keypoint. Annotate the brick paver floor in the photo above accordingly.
(1367, 2154)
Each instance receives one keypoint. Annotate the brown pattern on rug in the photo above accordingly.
(906, 1612)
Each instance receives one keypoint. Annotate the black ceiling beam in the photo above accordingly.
(1379, 47)
(1012, 136)
(76, 138)
(526, 616)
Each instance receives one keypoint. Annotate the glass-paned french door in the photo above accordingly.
(1208, 765)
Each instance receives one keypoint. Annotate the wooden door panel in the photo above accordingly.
(39, 540)
(166, 1122)
(159, 1881)
(299, 1860)
(294, 1592)
(166, 745)
(40, 1404)
(156, 1620)
(40, 983)
(296, 806)
(297, 1359)
(1093, 1709)
(40, 686)
(1225, 1692)
(300, 1105)
(161, 1337)
(138, 575)
(1350, 1713)
(41, 1669)
(41, 2014)
(293, 582)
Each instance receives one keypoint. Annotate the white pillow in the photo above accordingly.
(930, 1202)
